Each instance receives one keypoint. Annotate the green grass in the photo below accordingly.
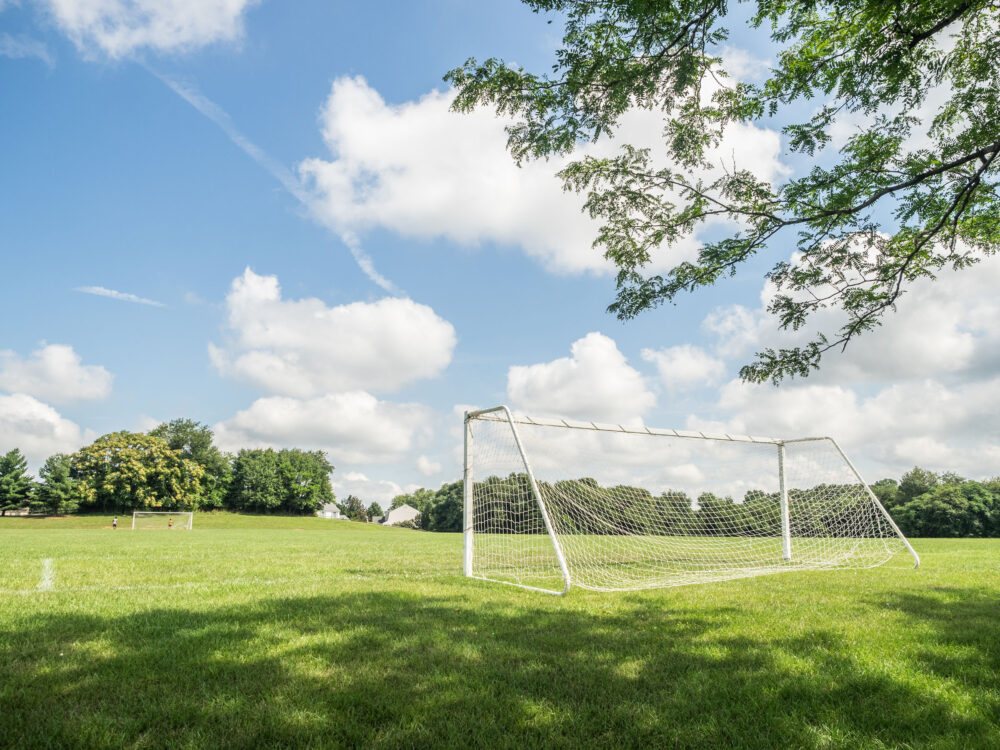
(299, 632)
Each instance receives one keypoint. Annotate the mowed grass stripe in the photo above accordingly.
(315, 633)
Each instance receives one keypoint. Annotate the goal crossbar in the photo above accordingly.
(548, 506)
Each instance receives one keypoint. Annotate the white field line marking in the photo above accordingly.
(289, 582)
(48, 581)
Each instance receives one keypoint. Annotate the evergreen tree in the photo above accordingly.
(15, 484)
(58, 493)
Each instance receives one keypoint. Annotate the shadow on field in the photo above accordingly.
(396, 670)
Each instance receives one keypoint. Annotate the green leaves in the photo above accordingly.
(286, 481)
(15, 484)
(914, 190)
(133, 471)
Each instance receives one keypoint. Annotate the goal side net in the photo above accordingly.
(150, 519)
(551, 504)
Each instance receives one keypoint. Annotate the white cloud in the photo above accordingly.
(685, 367)
(422, 171)
(100, 291)
(595, 383)
(22, 47)
(352, 427)
(54, 373)
(37, 429)
(304, 348)
(921, 389)
(948, 327)
(427, 467)
(380, 491)
(923, 422)
(118, 28)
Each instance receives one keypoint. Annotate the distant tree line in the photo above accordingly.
(174, 466)
(177, 466)
(923, 504)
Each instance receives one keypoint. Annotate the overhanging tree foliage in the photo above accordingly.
(902, 199)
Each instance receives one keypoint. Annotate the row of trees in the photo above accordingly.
(942, 505)
(174, 466)
(923, 504)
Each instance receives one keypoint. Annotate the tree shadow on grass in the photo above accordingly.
(397, 670)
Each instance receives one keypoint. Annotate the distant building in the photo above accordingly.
(399, 515)
(331, 511)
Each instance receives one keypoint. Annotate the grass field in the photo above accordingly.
(251, 632)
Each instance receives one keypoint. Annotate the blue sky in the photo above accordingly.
(242, 164)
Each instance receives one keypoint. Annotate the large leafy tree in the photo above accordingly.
(949, 510)
(57, 493)
(15, 483)
(903, 198)
(287, 481)
(354, 509)
(133, 471)
(194, 442)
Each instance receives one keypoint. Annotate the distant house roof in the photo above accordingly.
(330, 510)
(399, 515)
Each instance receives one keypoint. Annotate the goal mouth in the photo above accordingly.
(552, 503)
(154, 520)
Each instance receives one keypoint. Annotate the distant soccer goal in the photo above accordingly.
(155, 519)
(551, 504)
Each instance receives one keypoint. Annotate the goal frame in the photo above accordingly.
(468, 478)
(188, 513)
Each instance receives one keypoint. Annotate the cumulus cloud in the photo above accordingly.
(380, 491)
(304, 347)
(37, 429)
(352, 427)
(922, 389)
(428, 467)
(944, 327)
(594, 383)
(119, 28)
(685, 367)
(55, 373)
(422, 171)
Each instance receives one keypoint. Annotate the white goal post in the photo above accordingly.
(158, 519)
(551, 503)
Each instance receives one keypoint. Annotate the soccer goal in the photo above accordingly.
(551, 504)
(156, 519)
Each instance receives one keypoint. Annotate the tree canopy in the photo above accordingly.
(908, 194)
(193, 441)
(134, 471)
(286, 481)
(15, 484)
(57, 493)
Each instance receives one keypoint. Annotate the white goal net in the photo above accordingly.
(149, 519)
(551, 504)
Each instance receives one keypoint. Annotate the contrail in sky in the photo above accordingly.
(279, 171)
